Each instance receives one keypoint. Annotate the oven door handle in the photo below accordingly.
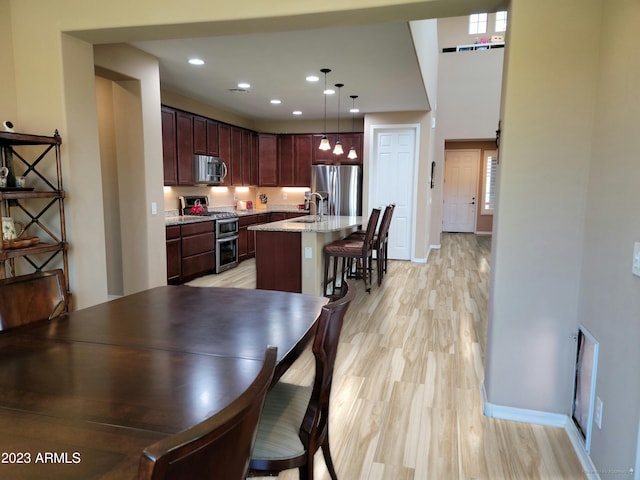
(227, 239)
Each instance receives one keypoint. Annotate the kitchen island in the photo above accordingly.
(289, 252)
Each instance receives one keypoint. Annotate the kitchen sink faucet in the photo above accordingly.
(319, 205)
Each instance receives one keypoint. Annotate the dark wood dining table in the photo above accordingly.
(83, 394)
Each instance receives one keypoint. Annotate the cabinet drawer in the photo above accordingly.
(173, 232)
(195, 244)
(198, 227)
(198, 264)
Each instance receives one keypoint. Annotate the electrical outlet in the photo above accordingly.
(284, 195)
(597, 415)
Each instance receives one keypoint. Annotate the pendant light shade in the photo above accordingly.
(338, 148)
(324, 143)
(352, 151)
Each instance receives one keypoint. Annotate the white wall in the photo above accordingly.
(470, 87)
(609, 304)
(545, 152)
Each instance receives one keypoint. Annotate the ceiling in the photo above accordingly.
(376, 62)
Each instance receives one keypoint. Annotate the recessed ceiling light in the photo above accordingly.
(244, 85)
(354, 110)
(275, 101)
(297, 112)
(312, 78)
(196, 61)
(329, 91)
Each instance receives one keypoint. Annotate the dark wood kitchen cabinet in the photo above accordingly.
(235, 161)
(169, 149)
(267, 160)
(174, 255)
(184, 136)
(286, 160)
(212, 138)
(294, 158)
(246, 238)
(303, 150)
(224, 149)
(197, 249)
(199, 135)
(347, 139)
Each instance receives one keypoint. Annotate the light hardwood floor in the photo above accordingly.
(406, 401)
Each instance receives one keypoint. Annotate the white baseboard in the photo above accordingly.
(113, 297)
(484, 233)
(420, 260)
(547, 419)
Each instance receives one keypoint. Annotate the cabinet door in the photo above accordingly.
(286, 160)
(267, 160)
(224, 146)
(243, 243)
(246, 157)
(184, 135)
(324, 156)
(303, 159)
(174, 255)
(236, 156)
(348, 140)
(212, 138)
(169, 152)
(254, 177)
(199, 135)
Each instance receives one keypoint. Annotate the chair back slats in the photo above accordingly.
(325, 348)
(220, 446)
(31, 298)
(371, 228)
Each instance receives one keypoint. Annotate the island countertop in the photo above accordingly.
(308, 224)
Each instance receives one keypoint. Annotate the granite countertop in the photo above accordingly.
(308, 223)
(172, 218)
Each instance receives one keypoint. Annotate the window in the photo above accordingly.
(477, 23)
(501, 21)
(489, 182)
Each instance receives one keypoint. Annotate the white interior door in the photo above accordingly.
(460, 190)
(392, 181)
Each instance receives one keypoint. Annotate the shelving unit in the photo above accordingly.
(40, 208)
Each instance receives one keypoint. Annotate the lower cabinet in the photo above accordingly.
(246, 238)
(174, 255)
(190, 251)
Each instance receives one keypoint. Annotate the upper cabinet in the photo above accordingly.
(347, 139)
(184, 136)
(267, 160)
(169, 151)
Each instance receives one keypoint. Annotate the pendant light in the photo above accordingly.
(337, 150)
(352, 151)
(324, 143)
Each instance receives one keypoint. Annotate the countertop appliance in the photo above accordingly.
(340, 186)
(208, 170)
(226, 228)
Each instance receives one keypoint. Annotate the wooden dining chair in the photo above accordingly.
(217, 448)
(30, 298)
(350, 249)
(295, 420)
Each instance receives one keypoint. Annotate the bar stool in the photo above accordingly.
(351, 248)
(380, 241)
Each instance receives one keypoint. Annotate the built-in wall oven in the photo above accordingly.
(226, 243)
(226, 228)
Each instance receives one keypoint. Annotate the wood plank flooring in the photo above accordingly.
(406, 401)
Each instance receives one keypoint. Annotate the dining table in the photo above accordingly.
(83, 394)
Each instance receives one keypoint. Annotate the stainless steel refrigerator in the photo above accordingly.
(341, 186)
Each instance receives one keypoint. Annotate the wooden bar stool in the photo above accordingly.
(351, 248)
(380, 241)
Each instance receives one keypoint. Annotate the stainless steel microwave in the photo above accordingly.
(208, 170)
